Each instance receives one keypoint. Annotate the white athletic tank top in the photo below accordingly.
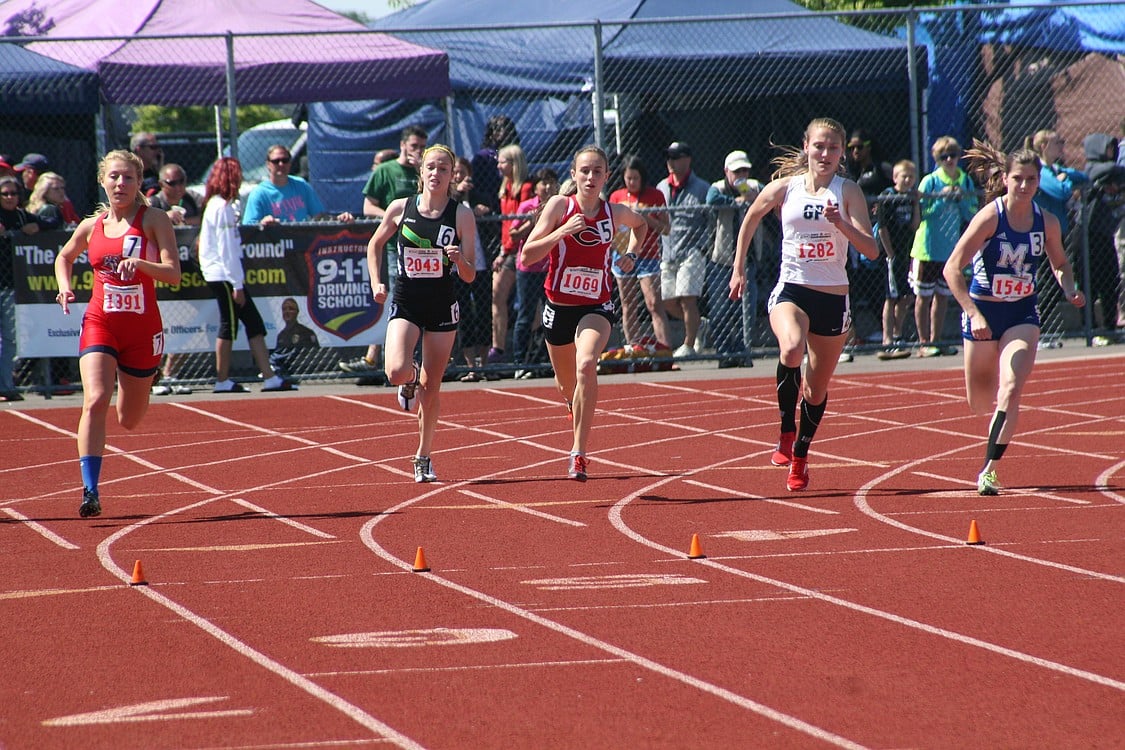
(813, 251)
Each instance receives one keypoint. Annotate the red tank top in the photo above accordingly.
(578, 272)
(111, 294)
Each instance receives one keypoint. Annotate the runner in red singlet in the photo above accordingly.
(122, 340)
(577, 232)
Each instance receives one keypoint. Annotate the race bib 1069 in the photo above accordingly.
(582, 281)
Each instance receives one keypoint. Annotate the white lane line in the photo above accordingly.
(619, 523)
(468, 668)
(861, 503)
(1029, 492)
(748, 496)
(1103, 482)
(282, 519)
(291, 676)
(368, 537)
(40, 529)
(520, 508)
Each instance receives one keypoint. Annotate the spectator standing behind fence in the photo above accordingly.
(1004, 244)
(284, 197)
(515, 188)
(129, 248)
(13, 222)
(183, 207)
(731, 324)
(220, 262)
(499, 131)
(148, 150)
(682, 268)
(1058, 183)
(390, 179)
(436, 238)
(292, 338)
(642, 282)
(821, 213)
(576, 233)
(897, 215)
(49, 203)
(29, 168)
(530, 278)
(873, 175)
(947, 201)
(1104, 205)
(474, 298)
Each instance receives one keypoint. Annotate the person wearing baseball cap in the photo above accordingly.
(31, 166)
(6, 169)
(731, 324)
(682, 266)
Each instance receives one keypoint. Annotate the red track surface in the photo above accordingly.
(281, 610)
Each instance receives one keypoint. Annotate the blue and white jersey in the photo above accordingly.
(1006, 266)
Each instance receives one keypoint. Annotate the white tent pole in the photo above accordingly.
(231, 103)
(218, 131)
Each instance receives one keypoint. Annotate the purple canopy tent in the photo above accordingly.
(258, 51)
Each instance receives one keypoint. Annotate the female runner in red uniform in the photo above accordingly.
(577, 231)
(129, 248)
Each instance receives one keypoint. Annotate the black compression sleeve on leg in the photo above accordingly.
(996, 450)
(811, 414)
(788, 389)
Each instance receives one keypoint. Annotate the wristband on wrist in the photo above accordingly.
(631, 256)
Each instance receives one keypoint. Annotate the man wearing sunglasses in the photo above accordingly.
(181, 204)
(147, 148)
(284, 197)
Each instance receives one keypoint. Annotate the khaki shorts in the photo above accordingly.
(683, 277)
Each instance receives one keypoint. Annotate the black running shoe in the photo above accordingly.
(91, 505)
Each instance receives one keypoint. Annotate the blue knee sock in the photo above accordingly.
(91, 471)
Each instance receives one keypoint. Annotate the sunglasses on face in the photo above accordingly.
(174, 183)
(9, 195)
(949, 157)
(282, 160)
(153, 146)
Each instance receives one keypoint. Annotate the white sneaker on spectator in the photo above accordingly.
(684, 351)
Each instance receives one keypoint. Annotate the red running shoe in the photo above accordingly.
(577, 468)
(798, 478)
(783, 454)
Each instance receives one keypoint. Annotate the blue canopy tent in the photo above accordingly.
(49, 107)
(32, 84)
(540, 77)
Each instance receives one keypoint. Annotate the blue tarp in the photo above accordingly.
(542, 76)
(954, 38)
(32, 84)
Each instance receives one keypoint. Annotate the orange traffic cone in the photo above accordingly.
(138, 575)
(974, 534)
(696, 551)
(420, 562)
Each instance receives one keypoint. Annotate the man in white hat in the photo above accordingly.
(731, 325)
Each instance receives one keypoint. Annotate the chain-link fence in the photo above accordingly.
(898, 80)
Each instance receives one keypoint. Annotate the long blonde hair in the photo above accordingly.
(138, 167)
(513, 185)
(794, 161)
(990, 166)
(38, 197)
